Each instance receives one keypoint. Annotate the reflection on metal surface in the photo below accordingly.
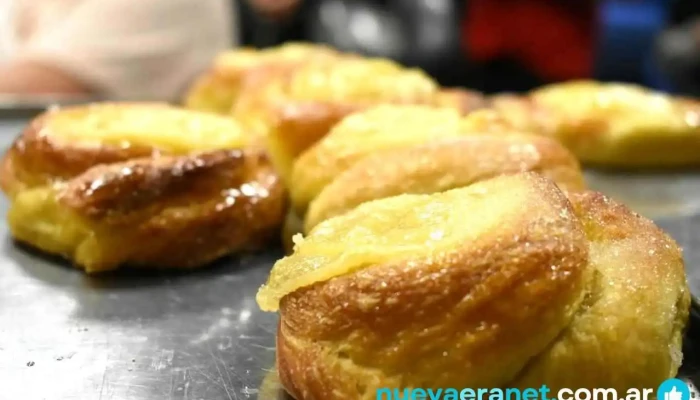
(183, 336)
(658, 195)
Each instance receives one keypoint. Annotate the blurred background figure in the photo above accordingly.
(516, 45)
(678, 48)
(153, 49)
(421, 33)
(115, 49)
(488, 45)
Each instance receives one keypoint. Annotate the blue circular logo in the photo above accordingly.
(673, 389)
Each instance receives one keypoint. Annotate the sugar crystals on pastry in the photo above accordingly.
(505, 283)
(147, 185)
(612, 124)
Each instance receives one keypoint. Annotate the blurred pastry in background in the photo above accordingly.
(291, 95)
(297, 108)
(146, 185)
(464, 100)
(218, 89)
(504, 283)
(611, 124)
(293, 225)
(677, 51)
(390, 150)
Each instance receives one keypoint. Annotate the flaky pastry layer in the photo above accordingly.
(505, 283)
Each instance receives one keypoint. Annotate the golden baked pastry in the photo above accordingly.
(379, 128)
(299, 106)
(612, 124)
(390, 150)
(505, 283)
(217, 90)
(141, 184)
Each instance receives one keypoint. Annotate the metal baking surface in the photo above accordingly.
(198, 335)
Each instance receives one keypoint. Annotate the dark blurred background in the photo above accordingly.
(154, 49)
(501, 45)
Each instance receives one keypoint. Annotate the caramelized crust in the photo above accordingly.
(521, 290)
(37, 157)
(174, 212)
(442, 165)
(487, 300)
(62, 143)
(143, 185)
(616, 125)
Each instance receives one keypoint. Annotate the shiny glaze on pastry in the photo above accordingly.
(505, 283)
(611, 124)
(62, 143)
(145, 185)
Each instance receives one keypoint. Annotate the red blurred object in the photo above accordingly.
(555, 39)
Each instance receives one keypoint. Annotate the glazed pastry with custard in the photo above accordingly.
(218, 89)
(504, 283)
(611, 124)
(391, 150)
(144, 185)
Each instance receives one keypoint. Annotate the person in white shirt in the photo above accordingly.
(114, 49)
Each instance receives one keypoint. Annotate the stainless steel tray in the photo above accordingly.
(199, 335)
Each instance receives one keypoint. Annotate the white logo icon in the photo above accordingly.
(674, 394)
